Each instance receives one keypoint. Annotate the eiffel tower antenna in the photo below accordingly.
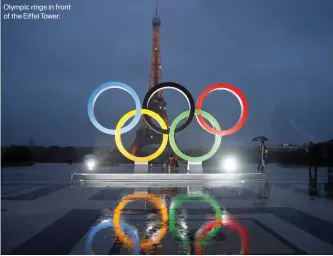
(156, 14)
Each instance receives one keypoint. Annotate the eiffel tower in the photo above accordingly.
(146, 136)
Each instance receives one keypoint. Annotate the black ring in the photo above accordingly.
(157, 88)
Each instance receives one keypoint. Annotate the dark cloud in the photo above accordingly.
(274, 51)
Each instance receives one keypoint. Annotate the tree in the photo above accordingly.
(18, 155)
(70, 154)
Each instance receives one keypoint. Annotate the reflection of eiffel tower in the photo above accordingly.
(146, 136)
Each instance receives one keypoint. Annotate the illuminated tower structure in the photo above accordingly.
(146, 136)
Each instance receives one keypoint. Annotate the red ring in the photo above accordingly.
(230, 224)
(242, 101)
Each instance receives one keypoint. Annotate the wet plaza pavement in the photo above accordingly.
(42, 213)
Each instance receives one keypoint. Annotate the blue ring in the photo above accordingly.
(109, 224)
(99, 91)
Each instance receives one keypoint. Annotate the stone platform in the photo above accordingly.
(44, 213)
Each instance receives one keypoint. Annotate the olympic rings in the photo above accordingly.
(217, 141)
(113, 85)
(174, 86)
(230, 224)
(110, 224)
(157, 202)
(120, 146)
(164, 130)
(242, 101)
(179, 200)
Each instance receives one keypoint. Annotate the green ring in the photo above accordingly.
(217, 141)
(179, 200)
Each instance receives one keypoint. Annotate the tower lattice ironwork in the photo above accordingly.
(146, 136)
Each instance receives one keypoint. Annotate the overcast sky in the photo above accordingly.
(279, 53)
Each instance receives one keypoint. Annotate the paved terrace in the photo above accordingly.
(42, 213)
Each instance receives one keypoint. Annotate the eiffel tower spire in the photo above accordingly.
(156, 14)
(145, 136)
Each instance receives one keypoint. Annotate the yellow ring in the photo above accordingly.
(120, 146)
(153, 199)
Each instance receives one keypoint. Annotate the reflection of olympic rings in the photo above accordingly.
(179, 200)
(229, 224)
(120, 146)
(174, 146)
(164, 129)
(177, 87)
(157, 202)
(110, 224)
(207, 231)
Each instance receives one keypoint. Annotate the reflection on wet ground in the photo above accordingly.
(291, 214)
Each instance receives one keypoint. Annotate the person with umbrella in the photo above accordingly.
(263, 156)
(263, 153)
(313, 156)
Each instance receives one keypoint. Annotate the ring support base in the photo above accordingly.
(194, 167)
(165, 180)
